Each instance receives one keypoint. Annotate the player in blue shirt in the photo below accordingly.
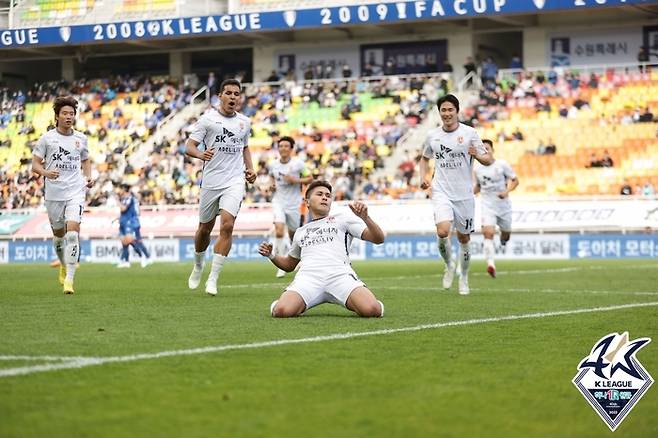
(129, 228)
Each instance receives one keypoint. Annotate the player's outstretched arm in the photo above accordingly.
(373, 233)
(286, 263)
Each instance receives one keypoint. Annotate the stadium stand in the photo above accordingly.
(347, 130)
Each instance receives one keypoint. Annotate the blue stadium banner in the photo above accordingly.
(398, 12)
(613, 246)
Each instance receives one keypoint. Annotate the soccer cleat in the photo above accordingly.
(449, 275)
(68, 287)
(123, 265)
(463, 286)
(491, 269)
(211, 287)
(280, 273)
(62, 274)
(146, 261)
(195, 277)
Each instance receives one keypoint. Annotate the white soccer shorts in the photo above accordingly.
(316, 289)
(291, 216)
(212, 201)
(60, 212)
(460, 213)
(492, 216)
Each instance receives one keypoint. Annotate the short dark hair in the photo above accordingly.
(125, 187)
(288, 139)
(315, 184)
(448, 98)
(226, 82)
(489, 142)
(62, 101)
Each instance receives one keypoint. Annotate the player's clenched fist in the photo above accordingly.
(265, 249)
(207, 154)
(250, 176)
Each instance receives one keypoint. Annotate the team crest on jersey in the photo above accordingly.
(77, 144)
(612, 379)
(331, 219)
(460, 139)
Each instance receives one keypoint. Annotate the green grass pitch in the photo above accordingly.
(328, 373)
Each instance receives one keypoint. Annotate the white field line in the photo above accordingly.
(283, 284)
(521, 290)
(90, 361)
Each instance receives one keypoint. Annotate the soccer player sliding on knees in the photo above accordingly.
(326, 274)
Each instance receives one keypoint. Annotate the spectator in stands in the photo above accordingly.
(626, 189)
(648, 189)
(607, 161)
(551, 149)
(273, 77)
(594, 161)
(516, 63)
(642, 58)
(469, 67)
(517, 134)
(646, 117)
(347, 71)
(489, 70)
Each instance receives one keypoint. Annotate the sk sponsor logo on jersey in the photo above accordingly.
(612, 379)
(442, 154)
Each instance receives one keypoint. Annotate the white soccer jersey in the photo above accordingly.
(323, 244)
(228, 136)
(287, 194)
(64, 153)
(453, 165)
(493, 180)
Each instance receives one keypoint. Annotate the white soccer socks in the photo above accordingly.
(71, 253)
(211, 283)
(488, 249)
(465, 260)
(445, 249)
(197, 270)
(59, 243)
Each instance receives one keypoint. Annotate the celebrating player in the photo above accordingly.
(453, 147)
(288, 174)
(495, 182)
(59, 156)
(326, 274)
(224, 134)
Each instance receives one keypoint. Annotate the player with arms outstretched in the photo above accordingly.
(322, 245)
